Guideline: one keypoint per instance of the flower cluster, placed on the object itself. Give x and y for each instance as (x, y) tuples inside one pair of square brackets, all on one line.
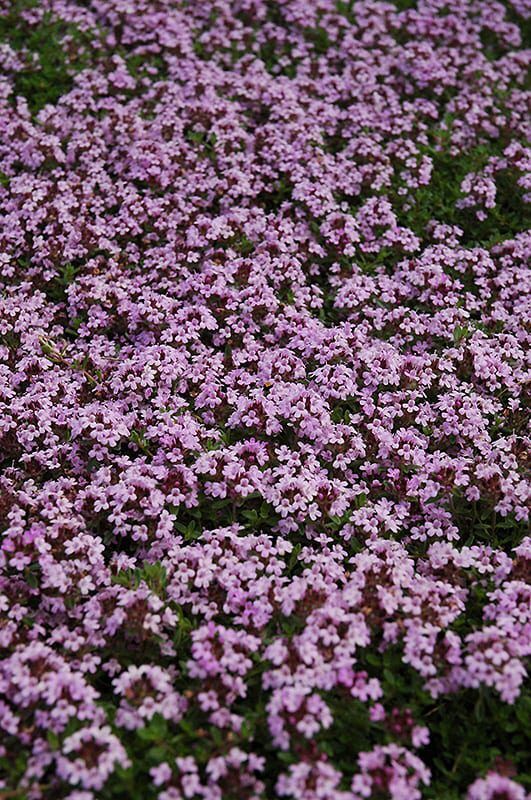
[(264, 366)]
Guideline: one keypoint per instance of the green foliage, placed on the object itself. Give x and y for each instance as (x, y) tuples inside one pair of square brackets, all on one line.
[(56, 290), (437, 200), (479, 523), (318, 38), (203, 141), (251, 512), (469, 730), (58, 49), (152, 575), (281, 193)]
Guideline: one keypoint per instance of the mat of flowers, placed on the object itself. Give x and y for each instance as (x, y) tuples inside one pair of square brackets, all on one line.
[(263, 361)]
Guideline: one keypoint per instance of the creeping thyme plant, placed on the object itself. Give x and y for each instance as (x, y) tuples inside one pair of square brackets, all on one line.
[(264, 348)]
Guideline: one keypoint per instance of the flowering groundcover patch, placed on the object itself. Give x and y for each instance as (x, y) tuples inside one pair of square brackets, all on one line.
[(264, 344)]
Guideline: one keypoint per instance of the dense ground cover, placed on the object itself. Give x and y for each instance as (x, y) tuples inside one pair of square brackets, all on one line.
[(263, 359)]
